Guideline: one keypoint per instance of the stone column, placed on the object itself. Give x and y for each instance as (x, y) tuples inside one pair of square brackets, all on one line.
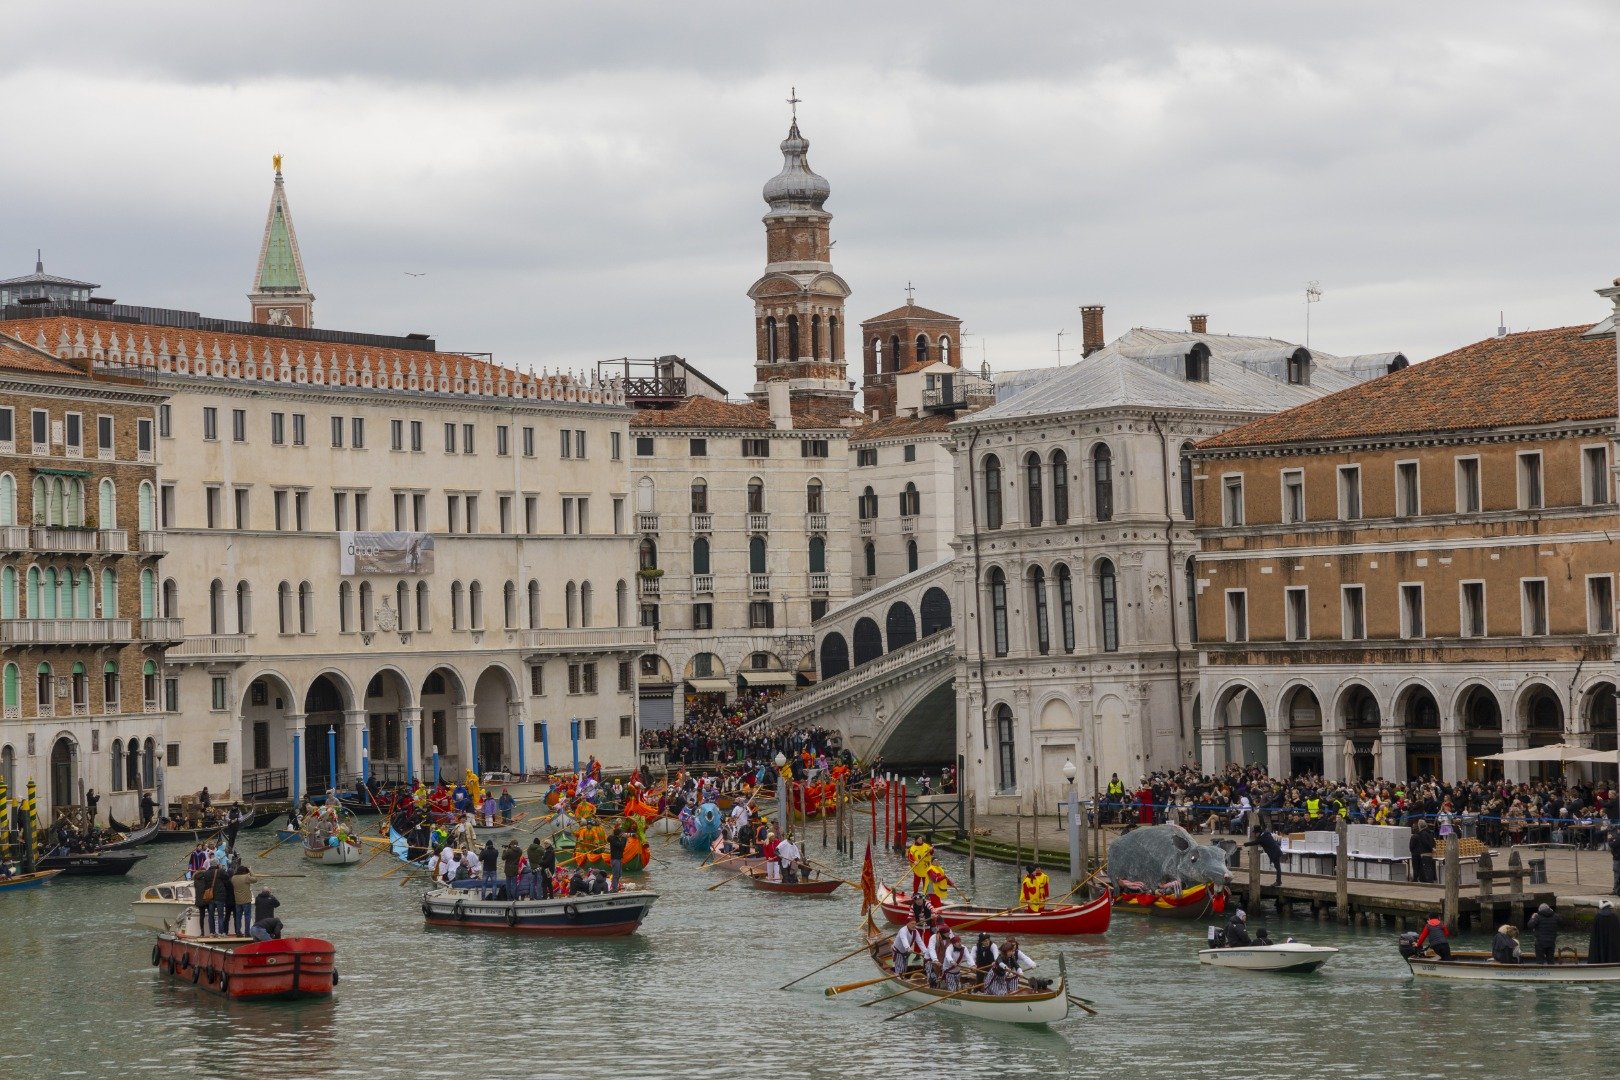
[(1393, 739), (410, 717), (1517, 772), (1333, 755), (1279, 753), (354, 727), (461, 735), (1453, 754), (518, 757), (297, 782), (1212, 751)]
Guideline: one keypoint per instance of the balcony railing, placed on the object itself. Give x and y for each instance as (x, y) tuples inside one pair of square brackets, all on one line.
[(208, 647), (154, 542), (703, 523), (816, 523), (86, 541), (647, 523), (65, 631), (13, 712), (867, 526), (759, 583), (162, 630), (703, 583), (14, 537), (820, 583), (759, 523), (908, 524), (865, 584), (647, 586), (589, 639), (152, 706)]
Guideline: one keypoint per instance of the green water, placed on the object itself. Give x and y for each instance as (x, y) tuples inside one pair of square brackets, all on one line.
[(694, 995)]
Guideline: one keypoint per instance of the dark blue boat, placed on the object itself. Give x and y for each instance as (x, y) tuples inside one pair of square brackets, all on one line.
[(597, 915)]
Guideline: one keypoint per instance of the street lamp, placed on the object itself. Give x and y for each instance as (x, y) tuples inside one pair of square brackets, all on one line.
[(1069, 771), (781, 792), (1076, 860)]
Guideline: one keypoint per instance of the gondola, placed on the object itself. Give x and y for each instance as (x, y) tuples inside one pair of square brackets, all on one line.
[(817, 887), (1065, 920), (191, 836), (1029, 1004), (103, 863), (26, 881), (133, 837)]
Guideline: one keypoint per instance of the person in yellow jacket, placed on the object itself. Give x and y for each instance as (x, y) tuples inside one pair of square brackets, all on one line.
[(1035, 890), (936, 884), (921, 854)]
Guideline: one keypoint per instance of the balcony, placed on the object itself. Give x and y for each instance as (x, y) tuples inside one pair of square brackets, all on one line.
[(153, 542), (815, 523), (647, 523), (78, 540), (908, 525), (65, 631), (759, 523), (204, 647), (14, 537), (593, 639), (703, 583), (162, 630), (820, 583), (759, 584), (867, 526), (647, 586), (703, 523)]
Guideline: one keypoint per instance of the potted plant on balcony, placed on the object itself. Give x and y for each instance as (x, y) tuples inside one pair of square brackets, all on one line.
[(650, 573)]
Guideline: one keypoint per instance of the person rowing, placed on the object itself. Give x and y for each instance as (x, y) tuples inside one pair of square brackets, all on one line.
[(1011, 962), (908, 942)]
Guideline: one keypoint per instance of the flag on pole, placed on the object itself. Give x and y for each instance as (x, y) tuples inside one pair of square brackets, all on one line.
[(868, 883)]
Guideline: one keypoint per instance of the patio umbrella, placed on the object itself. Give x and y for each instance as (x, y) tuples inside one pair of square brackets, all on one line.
[(1600, 757), (1560, 752), (1378, 757)]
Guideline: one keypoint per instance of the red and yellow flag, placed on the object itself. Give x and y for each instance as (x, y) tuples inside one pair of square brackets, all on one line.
[(868, 883)]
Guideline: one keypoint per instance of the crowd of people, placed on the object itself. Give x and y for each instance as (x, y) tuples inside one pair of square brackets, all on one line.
[(710, 730), (223, 893)]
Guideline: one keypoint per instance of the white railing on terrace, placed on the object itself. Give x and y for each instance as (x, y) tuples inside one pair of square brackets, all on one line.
[(758, 523), (61, 538), (647, 523), (162, 629), (703, 583), (154, 542), (64, 631), (208, 646), (759, 583), (647, 586), (908, 524), (820, 583), (583, 638), (703, 523), (816, 523), (867, 526), (14, 537), (943, 641)]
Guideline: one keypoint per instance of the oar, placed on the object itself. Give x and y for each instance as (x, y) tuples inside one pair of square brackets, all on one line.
[(373, 855), (283, 875), (924, 1005), (1076, 1001), (829, 872), (834, 991), (864, 947), (727, 881), (277, 844)]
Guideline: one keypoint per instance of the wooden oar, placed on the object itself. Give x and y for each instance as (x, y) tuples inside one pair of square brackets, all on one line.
[(277, 844), (924, 1005), (373, 855), (834, 991), (865, 946), (827, 870), (727, 881), (1082, 1004)]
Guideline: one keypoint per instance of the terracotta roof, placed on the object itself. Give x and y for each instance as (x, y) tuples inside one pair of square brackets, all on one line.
[(1534, 378), (19, 356), (894, 427), (911, 311), (706, 412)]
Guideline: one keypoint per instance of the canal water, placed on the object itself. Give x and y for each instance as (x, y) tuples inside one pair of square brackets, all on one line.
[(694, 994)]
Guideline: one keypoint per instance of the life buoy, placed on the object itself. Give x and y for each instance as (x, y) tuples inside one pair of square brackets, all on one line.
[(572, 911), (460, 910), (511, 914), (157, 956)]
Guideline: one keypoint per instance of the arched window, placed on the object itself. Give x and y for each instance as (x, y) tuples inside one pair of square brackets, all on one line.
[(793, 337), (911, 556), (1006, 751), (585, 593), (36, 594), (109, 686), (869, 555), (756, 555), (534, 604), (835, 351), (1043, 633), (458, 605), (149, 763), (818, 555), (1102, 479), (44, 698), (945, 350), (13, 691), (770, 338), (109, 594), (922, 349), (52, 590), (992, 491), (244, 608), (647, 554), (8, 593), (998, 609), (700, 555), (216, 604), (815, 337), (148, 594), (756, 496), (910, 501), (868, 506), (1192, 601), (171, 597), (894, 352), (1108, 605), (117, 761), (1187, 482), (345, 607), (877, 355), (107, 505), (700, 497), (424, 607), (1065, 583), (1060, 488), (1032, 487), (132, 764), (8, 499), (365, 607), (402, 606), (475, 605), (621, 603), (812, 498), (306, 608), (149, 689), (509, 606), (571, 605), (146, 507)]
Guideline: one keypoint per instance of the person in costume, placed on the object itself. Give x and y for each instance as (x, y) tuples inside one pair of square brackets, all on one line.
[(921, 853), (936, 885), (1035, 890), (1604, 945)]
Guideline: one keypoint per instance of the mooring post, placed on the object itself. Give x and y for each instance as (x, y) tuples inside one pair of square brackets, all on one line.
[(1453, 908), (1254, 869), (1341, 871), (971, 838)]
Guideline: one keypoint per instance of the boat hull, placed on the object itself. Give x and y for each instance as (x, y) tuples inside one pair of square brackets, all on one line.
[(1287, 958), (93, 863), (133, 838), (248, 970), (1027, 1007), (28, 881), (1194, 903), (341, 854), (1477, 967), (191, 836), (822, 887), (603, 915), (162, 906), (1064, 920)]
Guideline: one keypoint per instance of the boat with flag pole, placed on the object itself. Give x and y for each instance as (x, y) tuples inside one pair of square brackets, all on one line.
[(1059, 920)]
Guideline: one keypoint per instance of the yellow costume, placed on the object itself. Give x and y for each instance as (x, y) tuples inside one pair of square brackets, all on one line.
[(1035, 891)]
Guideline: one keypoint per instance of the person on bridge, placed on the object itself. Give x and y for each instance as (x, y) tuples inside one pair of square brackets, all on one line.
[(1035, 890), (921, 854)]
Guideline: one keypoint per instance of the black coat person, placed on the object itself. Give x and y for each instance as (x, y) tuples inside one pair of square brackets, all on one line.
[(1266, 842), (1544, 924), (1604, 945), (1614, 856)]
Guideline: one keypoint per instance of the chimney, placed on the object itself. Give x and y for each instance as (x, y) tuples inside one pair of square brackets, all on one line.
[(776, 394), (1092, 325), (1200, 323)]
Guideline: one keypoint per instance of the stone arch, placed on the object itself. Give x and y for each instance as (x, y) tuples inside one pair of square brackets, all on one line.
[(936, 611), (1538, 712), (1299, 714), (325, 701), (1357, 708), (1597, 712), (1477, 711), (443, 694), (388, 694), (868, 641), (901, 625), (834, 655), (1240, 716), (495, 693)]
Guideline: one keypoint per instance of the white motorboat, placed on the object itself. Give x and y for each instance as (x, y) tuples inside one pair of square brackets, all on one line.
[(162, 906), (1290, 956), (1479, 967)]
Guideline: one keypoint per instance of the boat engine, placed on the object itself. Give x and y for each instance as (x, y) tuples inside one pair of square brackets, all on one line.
[(1408, 945)]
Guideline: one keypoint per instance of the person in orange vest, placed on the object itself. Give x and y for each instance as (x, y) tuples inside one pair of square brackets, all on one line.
[(921, 854), (935, 884), (1035, 890)]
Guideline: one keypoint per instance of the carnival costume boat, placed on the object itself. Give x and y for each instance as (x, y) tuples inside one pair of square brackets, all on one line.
[(1065, 920), (1196, 902), (329, 837), (249, 970), (701, 829), (1292, 957), (1570, 968), (590, 848), (163, 906), (612, 914), (27, 881), (1039, 1002)]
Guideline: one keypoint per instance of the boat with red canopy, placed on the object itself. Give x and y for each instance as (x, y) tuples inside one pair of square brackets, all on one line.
[(1064, 920)]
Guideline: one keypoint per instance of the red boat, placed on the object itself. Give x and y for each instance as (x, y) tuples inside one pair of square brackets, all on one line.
[(248, 970), (1197, 902), (1064, 920), (798, 888)]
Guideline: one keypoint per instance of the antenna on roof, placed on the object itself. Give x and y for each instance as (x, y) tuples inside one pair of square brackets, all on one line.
[(1501, 324), (1313, 294), (1060, 347)]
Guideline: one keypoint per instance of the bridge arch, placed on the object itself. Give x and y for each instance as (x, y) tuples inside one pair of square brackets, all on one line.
[(868, 641), (834, 655), (936, 611), (901, 625)]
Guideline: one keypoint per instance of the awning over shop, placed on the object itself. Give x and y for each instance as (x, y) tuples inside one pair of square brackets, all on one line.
[(709, 686), (769, 678)]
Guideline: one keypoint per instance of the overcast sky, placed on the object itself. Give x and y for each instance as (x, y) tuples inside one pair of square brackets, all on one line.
[(582, 181)]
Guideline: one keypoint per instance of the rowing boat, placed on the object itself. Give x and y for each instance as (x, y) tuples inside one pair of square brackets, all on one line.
[(1063, 920), (1026, 1005), (613, 914), (821, 887), (27, 881), (1479, 967)]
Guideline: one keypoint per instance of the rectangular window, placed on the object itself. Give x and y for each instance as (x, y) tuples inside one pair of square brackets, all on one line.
[(337, 432), (615, 445), (279, 507), (567, 443), (298, 429), (1353, 613), (340, 511), (449, 438), (1468, 489), (211, 507), (278, 429), (74, 436), (172, 751), (143, 437), (165, 421), (210, 423), (567, 516), (531, 514), (505, 507), (584, 515), (1600, 604), (467, 439), (1237, 615), (698, 447), (362, 520), (503, 441), (910, 454), (240, 495), (396, 435), (818, 608), (8, 425), (40, 421), (703, 616), (589, 724), (171, 695), (1232, 500), (1412, 611), (579, 443), (221, 753), (761, 614), (813, 448), (472, 513), (217, 697), (1408, 494), (644, 446), (238, 425), (649, 616), (1530, 495), (1533, 606), (452, 513), (1595, 475), (300, 511), (1297, 612), (626, 681), (865, 456), (419, 514), (105, 444), (1293, 496), (401, 512), (357, 432), (1472, 614), (756, 448), (1349, 492), (626, 727), (618, 515), (166, 506), (528, 442), (537, 687)]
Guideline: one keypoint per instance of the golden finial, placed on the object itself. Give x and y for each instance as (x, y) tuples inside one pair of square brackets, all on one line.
[(277, 160)]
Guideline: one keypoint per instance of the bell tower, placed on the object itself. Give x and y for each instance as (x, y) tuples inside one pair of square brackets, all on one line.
[(280, 295), (799, 300)]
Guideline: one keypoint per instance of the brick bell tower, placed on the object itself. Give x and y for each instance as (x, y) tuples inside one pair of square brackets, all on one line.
[(799, 300), (280, 294)]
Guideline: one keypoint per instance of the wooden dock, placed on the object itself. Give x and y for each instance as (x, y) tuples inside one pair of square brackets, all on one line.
[(1399, 902)]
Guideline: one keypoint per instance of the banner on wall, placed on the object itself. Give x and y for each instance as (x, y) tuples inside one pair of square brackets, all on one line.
[(385, 553)]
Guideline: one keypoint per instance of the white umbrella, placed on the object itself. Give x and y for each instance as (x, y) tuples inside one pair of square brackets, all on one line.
[(1600, 757), (1378, 757), (1561, 752)]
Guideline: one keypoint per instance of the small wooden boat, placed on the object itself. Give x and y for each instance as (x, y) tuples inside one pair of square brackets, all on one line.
[(191, 836), (163, 906), (614, 914), (1029, 1004), (341, 853), (1479, 967), (27, 881), (1294, 957), (737, 864), (817, 887), (664, 826), (131, 837), (249, 970), (1196, 902), (1064, 920), (103, 863)]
